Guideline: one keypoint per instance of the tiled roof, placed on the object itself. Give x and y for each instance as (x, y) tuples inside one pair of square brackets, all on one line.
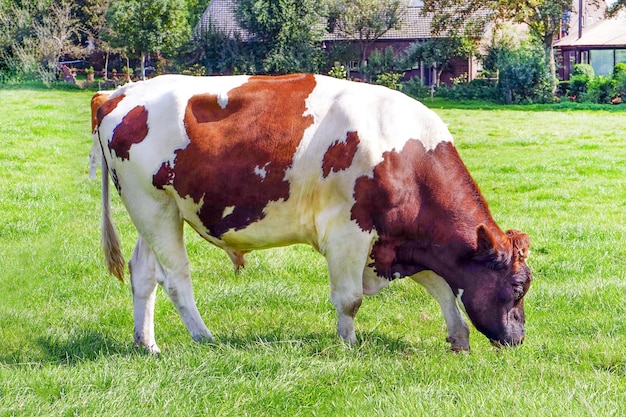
[(220, 14)]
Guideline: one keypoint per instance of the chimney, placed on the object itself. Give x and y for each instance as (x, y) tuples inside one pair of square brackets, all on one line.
[(580, 18)]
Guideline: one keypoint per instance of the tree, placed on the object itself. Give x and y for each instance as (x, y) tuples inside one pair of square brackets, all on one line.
[(34, 36), (286, 33), (543, 18), (364, 20), (437, 52), (148, 26), (615, 8)]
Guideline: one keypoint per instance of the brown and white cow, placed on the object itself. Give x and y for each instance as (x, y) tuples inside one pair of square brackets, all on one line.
[(367, 176), (94, 154)]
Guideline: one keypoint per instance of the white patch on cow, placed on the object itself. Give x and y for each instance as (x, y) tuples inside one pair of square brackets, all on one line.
[(222, 99), (261, 171), (459, 295), (228, 210)]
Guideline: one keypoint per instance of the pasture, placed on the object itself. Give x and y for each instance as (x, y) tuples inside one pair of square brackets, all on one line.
[(557, 173)]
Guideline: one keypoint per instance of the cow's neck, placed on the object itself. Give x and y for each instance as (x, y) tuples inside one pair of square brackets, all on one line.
[(437, 230)]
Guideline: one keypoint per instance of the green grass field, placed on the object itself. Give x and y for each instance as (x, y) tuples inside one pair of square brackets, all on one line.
[(66, 331)]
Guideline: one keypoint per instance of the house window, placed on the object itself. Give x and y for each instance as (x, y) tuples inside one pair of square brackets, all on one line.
[(620, 55), (584, 57), (602, 61)]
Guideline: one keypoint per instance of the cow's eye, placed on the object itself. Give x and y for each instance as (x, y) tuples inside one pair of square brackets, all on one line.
[(518, 291)]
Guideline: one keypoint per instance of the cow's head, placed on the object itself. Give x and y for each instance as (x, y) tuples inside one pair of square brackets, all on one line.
[(499, 279)]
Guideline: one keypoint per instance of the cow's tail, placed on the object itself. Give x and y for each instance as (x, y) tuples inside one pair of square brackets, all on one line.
[(110, 239)]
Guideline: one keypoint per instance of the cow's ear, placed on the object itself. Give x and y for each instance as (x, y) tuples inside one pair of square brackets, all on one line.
[(520, 242), (489, 249)]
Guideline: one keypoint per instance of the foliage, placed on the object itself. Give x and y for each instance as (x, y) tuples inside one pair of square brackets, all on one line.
[(477, 89), (147, 26), (286, 33), (586, 70), (338, 71), (414, 88), (66, 326), (364, 20), (33, 36), (600, 89), (579, 81), (438, 52), (468, 18), (619, 75), (380, 62), (584, 86), (615, 8), (523, 74), (390, 80), (220, 53)]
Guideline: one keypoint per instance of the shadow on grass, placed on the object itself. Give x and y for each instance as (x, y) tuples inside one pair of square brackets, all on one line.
[(94, 346), (319, 343), (88, 346)]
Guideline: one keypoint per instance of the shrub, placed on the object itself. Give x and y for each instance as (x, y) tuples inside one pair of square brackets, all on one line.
[(619, 75), (477, 89), (583, 69), (582, 74), (415, 88), (390, 80), (600, 90), (338, 71), (523, 73)]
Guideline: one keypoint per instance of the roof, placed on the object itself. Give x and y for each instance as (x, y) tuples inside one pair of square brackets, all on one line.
[(221, 16), (414, 26), (605, 33)]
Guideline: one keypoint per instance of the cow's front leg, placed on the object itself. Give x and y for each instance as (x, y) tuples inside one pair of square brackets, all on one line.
[(458, 331), (346, 262), (143, 282)]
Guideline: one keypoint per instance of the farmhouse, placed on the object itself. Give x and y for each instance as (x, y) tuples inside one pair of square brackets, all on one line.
[(602, 44), (415, 27)]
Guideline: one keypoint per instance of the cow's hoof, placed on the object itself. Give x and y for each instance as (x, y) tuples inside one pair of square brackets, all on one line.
[(203, 338), (152, 349), (458, 344)]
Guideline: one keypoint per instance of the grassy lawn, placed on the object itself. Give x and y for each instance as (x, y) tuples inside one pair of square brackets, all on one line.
[(555, 172)]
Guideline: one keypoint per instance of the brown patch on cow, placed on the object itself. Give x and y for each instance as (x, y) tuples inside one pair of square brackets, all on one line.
[(107, 107), (132, 130), (416, 201), (96, 101), (339, 155), (237, 156)]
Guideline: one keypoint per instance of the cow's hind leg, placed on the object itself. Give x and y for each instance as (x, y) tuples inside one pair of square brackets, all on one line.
[(142, 267), (161, 228), (458, 331), (346, 262)]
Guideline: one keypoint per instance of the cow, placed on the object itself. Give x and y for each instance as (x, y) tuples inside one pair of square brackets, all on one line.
[(367, 176), (94, 154)]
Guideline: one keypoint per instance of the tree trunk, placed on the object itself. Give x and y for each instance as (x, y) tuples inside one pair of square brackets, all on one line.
[(106, 66), (143, 66), (547, 43)]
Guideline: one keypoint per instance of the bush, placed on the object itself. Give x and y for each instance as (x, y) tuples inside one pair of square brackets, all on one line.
[(619, 75), (477, 89), (338, 71), (415, 88), (582, 74), (583, 69), (600, 90), (523, 73), (390, 80)]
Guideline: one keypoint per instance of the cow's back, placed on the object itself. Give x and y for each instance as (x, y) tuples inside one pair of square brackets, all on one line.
[(258, 161)]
